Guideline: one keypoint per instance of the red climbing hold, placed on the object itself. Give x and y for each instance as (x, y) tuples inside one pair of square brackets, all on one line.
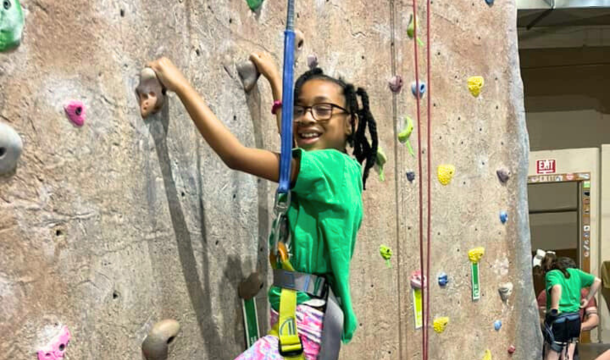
[(511, 349), (76, 112)]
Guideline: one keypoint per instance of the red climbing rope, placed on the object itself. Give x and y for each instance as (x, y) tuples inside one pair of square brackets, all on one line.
[(426, 273), (420, 186), (429, 145)]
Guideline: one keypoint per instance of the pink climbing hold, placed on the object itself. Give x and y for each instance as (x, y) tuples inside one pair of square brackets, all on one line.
[(395, 83), (416, 280), (57, 347), (76, 112)]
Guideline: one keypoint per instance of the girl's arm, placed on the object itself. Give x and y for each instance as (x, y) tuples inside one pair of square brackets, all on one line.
[(555, 297), (261, 163), (266, 66), (594, 288)]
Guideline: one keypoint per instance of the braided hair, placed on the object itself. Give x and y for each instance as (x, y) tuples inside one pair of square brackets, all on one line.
[(364, 151)]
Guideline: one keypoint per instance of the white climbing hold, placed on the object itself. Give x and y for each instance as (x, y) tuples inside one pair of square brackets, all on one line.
[(11, 147), (162, 334)]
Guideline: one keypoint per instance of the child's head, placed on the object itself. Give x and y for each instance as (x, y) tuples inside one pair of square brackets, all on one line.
[(552, 262), (327, 116)]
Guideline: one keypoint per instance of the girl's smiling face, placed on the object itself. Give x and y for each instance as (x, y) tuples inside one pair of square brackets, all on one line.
[(320, 118)]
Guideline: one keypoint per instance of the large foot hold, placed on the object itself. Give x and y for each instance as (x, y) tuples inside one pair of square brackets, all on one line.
[(161, 336), (251, 286), (11, 147), (11, 24), (248, 73), (151, 94)]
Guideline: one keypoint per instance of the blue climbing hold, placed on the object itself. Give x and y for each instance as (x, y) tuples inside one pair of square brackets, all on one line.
[(418, 90), (489, 2), (443, 279), (497, 325), (503, 217), (411, 176)]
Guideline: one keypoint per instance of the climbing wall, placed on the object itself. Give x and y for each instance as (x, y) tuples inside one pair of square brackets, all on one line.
[(110, 223)]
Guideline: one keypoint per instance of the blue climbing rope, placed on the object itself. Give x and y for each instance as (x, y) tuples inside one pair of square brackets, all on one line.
[(287, 103)]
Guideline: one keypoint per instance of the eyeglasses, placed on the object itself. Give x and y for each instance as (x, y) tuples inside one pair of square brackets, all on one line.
[(320, 112)]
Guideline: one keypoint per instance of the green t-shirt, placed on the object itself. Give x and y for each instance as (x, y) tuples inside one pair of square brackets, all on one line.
[(570, 288), (324, 217)]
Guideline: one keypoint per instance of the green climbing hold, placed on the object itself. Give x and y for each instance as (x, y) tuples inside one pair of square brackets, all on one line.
[(411, 30), (255, 4), (11, 24), (405, 134), (379, 162), (386, 254)]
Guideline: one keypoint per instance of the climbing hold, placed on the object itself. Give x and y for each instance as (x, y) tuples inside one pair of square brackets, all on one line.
[(411, 176), (511, 349), (395, 83), (162, 334), (503, 175), (405, 134), (475, 84), (440, 324), (411, 30), (487, 355), (489, 2), (11, 147), (76, 112), (380, 162), (254, 5), (497, 325), (312, 61), (503, 217), (150, 92), (11, 24), (476, 254), (386, 254), (299, 40), (418, 90), (445, 173), (248, 73), (505, 291), (416, 280), (443, 279), (248, 288), (56, 349)]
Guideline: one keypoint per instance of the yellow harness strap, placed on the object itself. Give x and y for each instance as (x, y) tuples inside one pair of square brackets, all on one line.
[(286, 327)]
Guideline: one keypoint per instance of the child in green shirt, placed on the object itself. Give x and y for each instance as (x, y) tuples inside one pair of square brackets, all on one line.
[(563, 287), (325, 212)]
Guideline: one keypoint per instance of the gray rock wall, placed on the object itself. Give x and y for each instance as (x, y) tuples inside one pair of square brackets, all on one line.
[(112, 226)]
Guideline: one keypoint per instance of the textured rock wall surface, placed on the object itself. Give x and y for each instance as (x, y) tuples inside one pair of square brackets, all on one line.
[(112, 226)]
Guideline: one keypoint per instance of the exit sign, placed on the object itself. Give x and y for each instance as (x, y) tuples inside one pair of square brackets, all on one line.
[(545, 166)]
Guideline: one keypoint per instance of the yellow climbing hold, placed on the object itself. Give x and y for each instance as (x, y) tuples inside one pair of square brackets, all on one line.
[(475, 84), (476, 254), (445, 173), (440, 324), (487, 355)]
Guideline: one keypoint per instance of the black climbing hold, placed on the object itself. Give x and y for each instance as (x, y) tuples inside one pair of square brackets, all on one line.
[(503, 175), (411, 176)]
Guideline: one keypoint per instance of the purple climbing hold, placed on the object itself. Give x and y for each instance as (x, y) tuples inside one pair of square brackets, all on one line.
[(503, 217), (312, 61), (76, 112), (411, 176), (395, 83)]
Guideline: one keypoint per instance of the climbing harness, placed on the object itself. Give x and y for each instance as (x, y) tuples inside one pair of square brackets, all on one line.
[(285, 277), (568, 324)]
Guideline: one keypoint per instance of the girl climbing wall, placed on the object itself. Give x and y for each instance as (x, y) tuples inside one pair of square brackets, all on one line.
[(326, 208), (562, 321)]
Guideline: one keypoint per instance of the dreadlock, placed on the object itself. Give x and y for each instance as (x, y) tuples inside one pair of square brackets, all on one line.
[(363, 151)]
